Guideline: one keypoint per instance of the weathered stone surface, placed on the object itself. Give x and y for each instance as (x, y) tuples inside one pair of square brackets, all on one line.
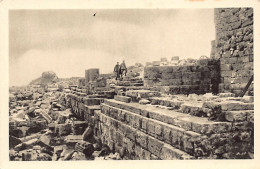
[(144, 101), (237, 116), (63, 129), (170, 153), (122, 98)]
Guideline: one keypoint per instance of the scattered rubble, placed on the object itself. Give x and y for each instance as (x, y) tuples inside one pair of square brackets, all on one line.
[(43, 129)]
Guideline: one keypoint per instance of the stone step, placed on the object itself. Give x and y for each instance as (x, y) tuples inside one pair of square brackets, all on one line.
[(130, 87), (205, 108), (175, 103), (226, 95), (127, 136), (182, 89), (122, 98), (90, 109), (132, 78), (229, 105), (188, 122), (130, 84), (176, 136), (131, 81), (137, 84), (239, 116), (136, 95)]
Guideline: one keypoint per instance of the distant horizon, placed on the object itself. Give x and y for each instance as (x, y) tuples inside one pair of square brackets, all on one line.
[(71, 41)]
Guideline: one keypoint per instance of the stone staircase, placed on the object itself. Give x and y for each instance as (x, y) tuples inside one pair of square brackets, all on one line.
[(174, 128), (143, 123), (129, 83)]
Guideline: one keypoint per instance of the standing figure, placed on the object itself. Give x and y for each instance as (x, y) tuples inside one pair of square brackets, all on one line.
[(117, 70), (123, 69)]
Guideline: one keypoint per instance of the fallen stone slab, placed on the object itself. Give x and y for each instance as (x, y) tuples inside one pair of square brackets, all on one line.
[(88, 134), (26, 145), (20, 114), (33, 136), (13, 141), (44, 157), (66, 154), (84, 147), (78, 156), (45, 139), (63, 129), (144, 101), (45, 115), (51, 126), (73, 138)]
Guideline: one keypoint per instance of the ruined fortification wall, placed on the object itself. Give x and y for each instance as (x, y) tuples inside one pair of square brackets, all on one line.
[(234, 47), (200, 78), (140, 132)]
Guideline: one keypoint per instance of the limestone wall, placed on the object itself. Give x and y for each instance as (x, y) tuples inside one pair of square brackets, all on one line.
[(139, 132), (198, 78), (234, 47)]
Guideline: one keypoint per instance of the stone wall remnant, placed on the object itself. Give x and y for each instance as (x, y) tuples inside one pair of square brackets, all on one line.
[(234, 47)]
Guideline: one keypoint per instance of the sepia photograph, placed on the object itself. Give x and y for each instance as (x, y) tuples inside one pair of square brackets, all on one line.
[(131, 84)]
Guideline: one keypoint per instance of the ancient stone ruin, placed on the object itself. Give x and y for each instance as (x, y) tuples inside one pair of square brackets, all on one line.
[(177, 109)]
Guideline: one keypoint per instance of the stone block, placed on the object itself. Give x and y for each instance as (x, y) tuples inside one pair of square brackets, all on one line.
[(170, 153), (91, 75), (156, 63), (129, 132), (231, 60), (122, 98), (141, 139), (64, 129), (170, 82), (237, 116), (183, 122), (226, 95), (165, 70), (137, 123), (209, 127), (119, 138), (92, 101), (155, 146), (236, 105), (151, 127)]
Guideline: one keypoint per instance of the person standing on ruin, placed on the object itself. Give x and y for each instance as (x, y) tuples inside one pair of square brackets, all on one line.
[(117, 69), (123, 68)]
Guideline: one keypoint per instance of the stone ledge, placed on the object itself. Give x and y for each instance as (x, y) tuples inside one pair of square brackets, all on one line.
[(138, 138), (197, 124), (122, 98)]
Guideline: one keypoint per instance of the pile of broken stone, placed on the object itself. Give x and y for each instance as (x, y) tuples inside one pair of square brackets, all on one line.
[(42, 129)]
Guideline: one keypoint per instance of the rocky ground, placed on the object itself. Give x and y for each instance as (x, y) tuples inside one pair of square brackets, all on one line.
[(42, 129)]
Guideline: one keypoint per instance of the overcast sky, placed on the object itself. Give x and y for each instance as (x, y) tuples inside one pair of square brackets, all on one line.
[(70, 41)]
